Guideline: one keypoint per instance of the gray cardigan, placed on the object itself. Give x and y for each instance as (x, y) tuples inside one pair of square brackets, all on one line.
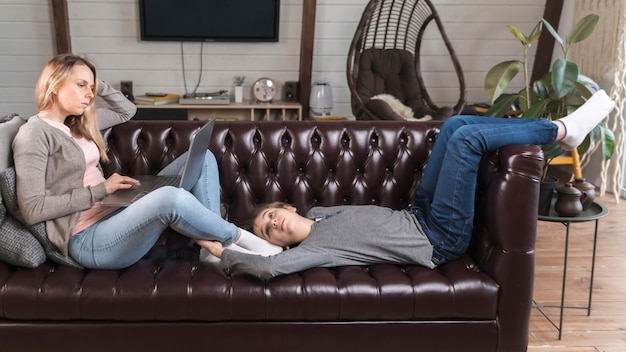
[(50, 167)]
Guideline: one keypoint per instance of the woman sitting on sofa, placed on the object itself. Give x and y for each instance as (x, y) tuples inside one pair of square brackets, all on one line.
[(57, 157), (436, 229)]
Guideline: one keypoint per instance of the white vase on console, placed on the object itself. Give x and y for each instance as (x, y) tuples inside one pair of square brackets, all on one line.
[(238, 94)]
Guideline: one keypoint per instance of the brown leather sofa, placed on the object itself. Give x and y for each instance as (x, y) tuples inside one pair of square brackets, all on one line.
[(171, 302)]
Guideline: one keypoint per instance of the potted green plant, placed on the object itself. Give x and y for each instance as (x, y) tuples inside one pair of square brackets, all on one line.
[(556, 94), (238, 82), (559, 92)]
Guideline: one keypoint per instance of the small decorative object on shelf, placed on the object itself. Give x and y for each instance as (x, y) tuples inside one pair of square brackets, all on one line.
[(321, 102), (264, 89), (157, 98), (238, 81)]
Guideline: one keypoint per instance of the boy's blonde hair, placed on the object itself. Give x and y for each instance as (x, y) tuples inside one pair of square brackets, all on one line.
[(53, 76)]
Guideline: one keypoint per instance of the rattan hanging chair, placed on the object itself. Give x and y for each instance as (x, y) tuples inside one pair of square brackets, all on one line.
[(384, 58)]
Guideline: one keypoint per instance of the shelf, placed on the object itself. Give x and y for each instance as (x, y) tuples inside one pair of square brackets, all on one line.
[(237, 111)]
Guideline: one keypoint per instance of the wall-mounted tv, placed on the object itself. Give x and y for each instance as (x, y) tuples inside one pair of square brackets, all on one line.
[(209, 20)]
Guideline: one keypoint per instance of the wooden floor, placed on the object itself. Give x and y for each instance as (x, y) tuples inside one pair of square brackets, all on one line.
[(605, 329)]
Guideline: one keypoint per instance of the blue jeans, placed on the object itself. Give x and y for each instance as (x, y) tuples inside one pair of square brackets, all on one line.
[(444, 200), (123, 237)]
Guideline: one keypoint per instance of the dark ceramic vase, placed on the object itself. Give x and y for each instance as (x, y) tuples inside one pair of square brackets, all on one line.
[(588, 192), (568, 201)]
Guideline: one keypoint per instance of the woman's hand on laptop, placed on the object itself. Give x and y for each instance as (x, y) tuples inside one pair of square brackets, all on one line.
[(117, 181)]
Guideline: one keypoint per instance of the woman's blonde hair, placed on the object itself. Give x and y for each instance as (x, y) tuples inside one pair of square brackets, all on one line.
[(53, 76)]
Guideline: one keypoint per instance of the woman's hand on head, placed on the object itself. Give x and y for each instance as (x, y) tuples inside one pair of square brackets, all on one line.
[(117, 181)]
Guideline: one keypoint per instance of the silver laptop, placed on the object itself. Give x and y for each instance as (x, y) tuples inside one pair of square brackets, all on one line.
[(189, 176)]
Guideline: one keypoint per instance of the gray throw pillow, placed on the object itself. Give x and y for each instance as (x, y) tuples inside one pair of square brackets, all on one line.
[(17, 245), (9, 195), (8, 129)]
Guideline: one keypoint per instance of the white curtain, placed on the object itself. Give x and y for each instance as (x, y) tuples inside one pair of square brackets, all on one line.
[(605, 52)]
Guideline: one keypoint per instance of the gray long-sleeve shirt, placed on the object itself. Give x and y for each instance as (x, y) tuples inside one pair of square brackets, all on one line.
[(343, 235)]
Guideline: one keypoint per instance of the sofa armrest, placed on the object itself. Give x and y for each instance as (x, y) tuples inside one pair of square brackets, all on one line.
[(503, 244)]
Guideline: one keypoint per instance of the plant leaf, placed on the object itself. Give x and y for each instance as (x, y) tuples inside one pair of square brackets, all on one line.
[(564, 76), (586, 145), (575, 100), (602, 135), (554, 33), (585, 86), (607, 140), (502, 107), (499, 77), (537, 110), (540, 89), (534, 35), (583, 29), (518, 34)]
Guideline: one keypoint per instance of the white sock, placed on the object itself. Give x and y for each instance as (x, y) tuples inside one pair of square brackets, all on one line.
[(256, 244), (579, 123), (206, 256)]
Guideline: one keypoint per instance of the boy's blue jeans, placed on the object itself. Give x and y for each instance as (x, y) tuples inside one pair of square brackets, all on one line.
[(123, 237), (445, 196)]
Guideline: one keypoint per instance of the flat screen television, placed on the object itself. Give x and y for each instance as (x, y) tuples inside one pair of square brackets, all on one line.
[(209, 20)]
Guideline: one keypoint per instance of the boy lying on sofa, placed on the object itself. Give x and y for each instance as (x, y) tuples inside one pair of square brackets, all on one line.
[(436, 228)]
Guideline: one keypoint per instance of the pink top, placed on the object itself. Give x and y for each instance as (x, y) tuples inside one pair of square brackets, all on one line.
[(92, 177)]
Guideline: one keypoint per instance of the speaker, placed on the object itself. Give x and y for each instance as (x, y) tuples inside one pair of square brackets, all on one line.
[(291, 91), (126, 87)]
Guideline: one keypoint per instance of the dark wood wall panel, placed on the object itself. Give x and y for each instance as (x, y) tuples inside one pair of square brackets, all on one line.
[(61, 26), (306, 54), (543, 55)]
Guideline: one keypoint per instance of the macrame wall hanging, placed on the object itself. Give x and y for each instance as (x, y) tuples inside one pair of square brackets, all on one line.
[(604, 52)]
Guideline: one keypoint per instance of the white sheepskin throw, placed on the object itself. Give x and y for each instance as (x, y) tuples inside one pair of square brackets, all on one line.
[(399, 108)]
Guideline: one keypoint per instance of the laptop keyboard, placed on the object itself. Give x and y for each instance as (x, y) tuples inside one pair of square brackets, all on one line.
[(140, 195), (155, 183)]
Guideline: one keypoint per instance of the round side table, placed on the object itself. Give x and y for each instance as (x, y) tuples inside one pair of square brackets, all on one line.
[(595, 212)]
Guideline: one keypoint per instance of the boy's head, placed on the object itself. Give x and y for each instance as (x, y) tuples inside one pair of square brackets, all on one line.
[(280, 224)]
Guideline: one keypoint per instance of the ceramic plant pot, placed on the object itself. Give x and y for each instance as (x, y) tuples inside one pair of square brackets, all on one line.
[(238, 94), (546, 192)]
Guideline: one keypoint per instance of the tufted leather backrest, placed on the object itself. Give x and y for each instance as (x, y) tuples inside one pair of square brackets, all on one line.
[(305, 163)]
